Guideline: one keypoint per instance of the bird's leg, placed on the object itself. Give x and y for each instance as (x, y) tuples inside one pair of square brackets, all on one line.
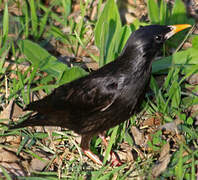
[(115, 160), (85, 143)]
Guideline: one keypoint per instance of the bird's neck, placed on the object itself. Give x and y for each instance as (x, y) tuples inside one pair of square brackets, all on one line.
[(137, 59)]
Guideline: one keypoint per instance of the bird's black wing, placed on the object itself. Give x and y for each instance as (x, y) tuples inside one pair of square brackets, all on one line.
[(92, 94), (85, 94)]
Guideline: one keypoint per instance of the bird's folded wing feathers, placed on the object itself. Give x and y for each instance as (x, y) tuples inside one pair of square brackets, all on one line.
[(96, 95)]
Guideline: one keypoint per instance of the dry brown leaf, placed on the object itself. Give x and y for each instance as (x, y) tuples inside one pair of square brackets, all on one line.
[(13, 140), (11, 65), (93, 14), (161, 167), (140, 153), (16, 111), (125, 154), (7, 156), (149, 122), (164, 151), (193, 79), (15, 9), (163, 161), (193, 112), (171, 127), (153, 121), (38, 165), (6, 113), (138, 136), (14, 169)]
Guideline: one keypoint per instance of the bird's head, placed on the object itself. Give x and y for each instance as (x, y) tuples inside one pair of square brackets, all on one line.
[(147, 40)]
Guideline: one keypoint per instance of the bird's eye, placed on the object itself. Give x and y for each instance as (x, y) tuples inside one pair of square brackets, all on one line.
[(159, 38)]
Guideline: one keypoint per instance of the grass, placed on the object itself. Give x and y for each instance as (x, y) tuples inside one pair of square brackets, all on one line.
[(40, 25)]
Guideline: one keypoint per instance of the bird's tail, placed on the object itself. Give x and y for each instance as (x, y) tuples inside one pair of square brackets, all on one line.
[(35, 120), (36, 105)]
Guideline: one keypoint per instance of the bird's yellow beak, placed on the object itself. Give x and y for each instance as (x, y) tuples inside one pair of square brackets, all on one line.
[(180, 27), (176, 28)]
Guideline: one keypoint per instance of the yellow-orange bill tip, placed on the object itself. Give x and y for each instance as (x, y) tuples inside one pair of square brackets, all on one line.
[(180, 27), (175, 29)]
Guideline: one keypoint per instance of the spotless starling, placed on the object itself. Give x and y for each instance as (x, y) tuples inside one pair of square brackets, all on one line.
[(107, 97)]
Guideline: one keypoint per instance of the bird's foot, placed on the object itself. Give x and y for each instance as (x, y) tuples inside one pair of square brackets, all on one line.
[(115, 161), (85, 148), (93, 157)]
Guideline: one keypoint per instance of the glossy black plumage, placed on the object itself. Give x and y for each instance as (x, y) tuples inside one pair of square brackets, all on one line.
[(106, 97)]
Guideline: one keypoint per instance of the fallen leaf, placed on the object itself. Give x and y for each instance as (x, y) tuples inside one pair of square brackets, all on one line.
[(13, 140), (125, 154), (6, 113), (7, 156), (171, 127), (164, 151), (138, 136), (193, 79), (154, 120), (38, 165), (13, 169), (163, 161), (16, 111)]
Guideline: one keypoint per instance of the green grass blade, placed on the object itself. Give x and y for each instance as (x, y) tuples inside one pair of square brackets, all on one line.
[(43, 23), (122, 38), (153, 11), (178, 12), (5, 24), (111, 142), (175, 93), (95, 58), (45, 61), (107, 26), (102, 46), (111, 173), (79, 27), (179, 170), (72, 74), (67, 9), (99, 9), (26, 13), (193, 175), (3, 53), (163, 12), (34, 19), (6, 175)]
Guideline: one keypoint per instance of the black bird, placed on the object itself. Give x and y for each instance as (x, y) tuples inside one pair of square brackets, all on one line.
[(107, 97)]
